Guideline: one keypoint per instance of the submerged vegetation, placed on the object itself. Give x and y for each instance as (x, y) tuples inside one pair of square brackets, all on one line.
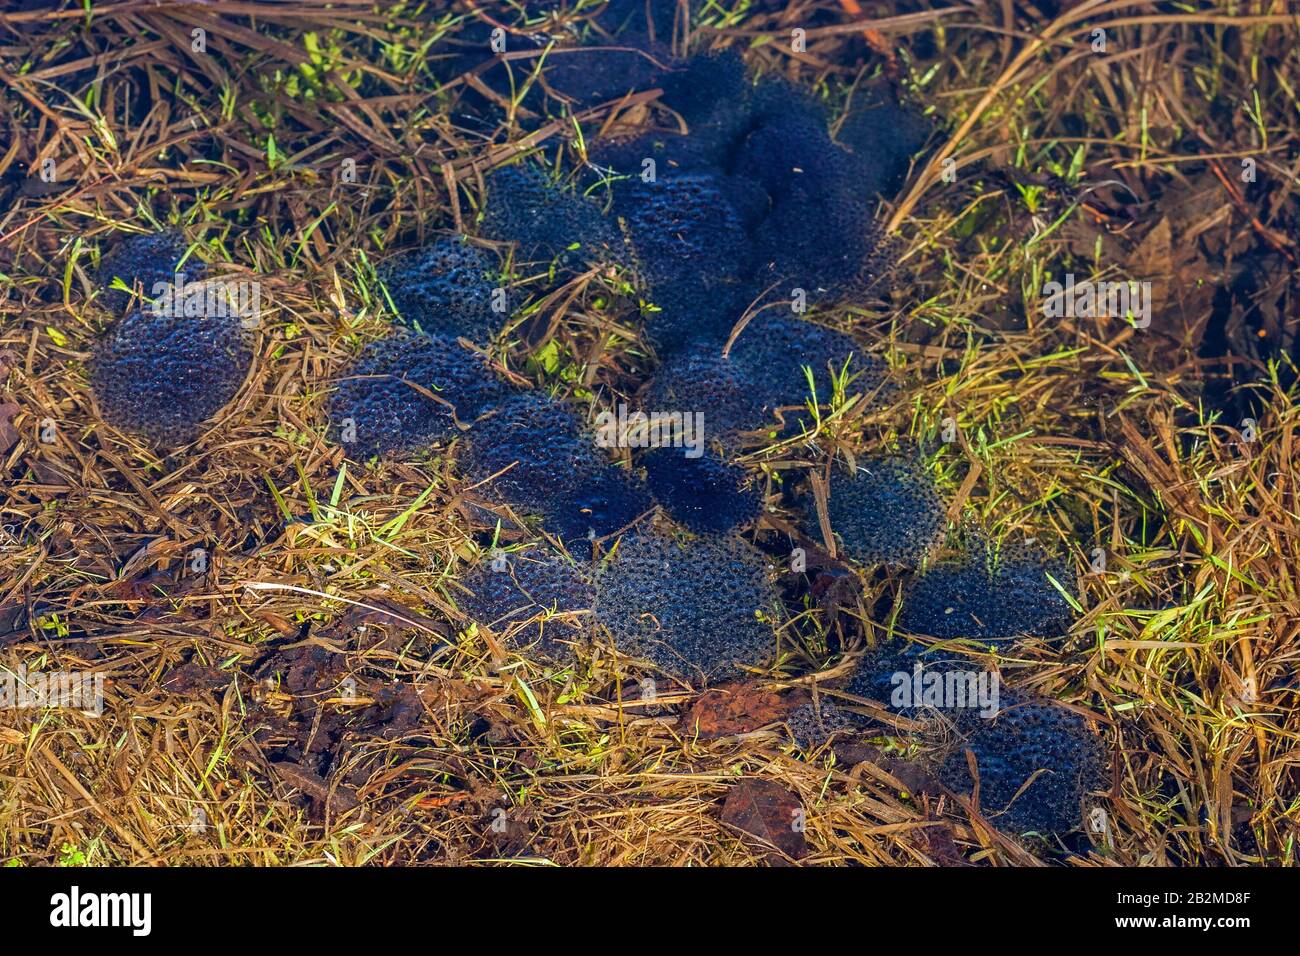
[(364, 575)]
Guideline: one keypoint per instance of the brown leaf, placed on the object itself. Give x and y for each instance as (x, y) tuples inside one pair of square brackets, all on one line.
[(385, 613), (338, 799), (509, 833), (154, 551), (8, 434), (1183, 282), (855, 750), (1084, 239), (912, 774), (943, 848), (734, 709), (1152, 261), (11, 615), (295, 776), (192, 677), (1152, 258), (279, 622), (768, 812)]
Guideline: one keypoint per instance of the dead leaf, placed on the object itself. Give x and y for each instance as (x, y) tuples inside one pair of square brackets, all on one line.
[(943, 848), (509, 833), (734, 709), (1152, 261), (382, 612), (338, 799), (1172, 257), (279, 622), (1084, 239), (8, 434), (154, 551), (768, 812), (192, 677), (855, 750), (437, 803), (912, 774), (11, 615)]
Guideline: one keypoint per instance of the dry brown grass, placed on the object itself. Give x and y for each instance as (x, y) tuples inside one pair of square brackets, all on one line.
[(1087, 433)]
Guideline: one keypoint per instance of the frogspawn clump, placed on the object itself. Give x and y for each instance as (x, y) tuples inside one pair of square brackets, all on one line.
[(710, 93), (532, 599), (446, 289), (914, 681), (628, 52), (702, 381), (163, 376), (691, 252), (535, 454), (1040, 746), (777, 355), (676, 222), (408, 391), (604, 503), (639, 21), (880, 130), (143, 263), (547, 221), (721, 104), (702, 609), (886, 511), (704, 494), (990, 596), (588, 76), (820, 237), (802, 205), (1015, 741), (530, 450), (814, 723), (764, 371)]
